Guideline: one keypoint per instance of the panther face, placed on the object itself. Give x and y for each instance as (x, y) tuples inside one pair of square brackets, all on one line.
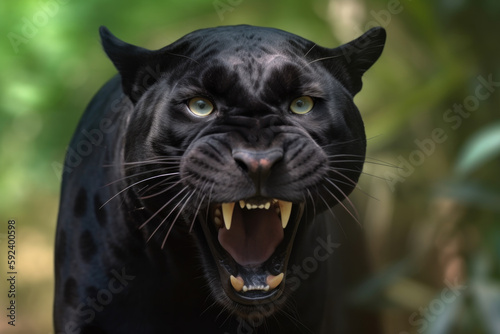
[(242, 134)]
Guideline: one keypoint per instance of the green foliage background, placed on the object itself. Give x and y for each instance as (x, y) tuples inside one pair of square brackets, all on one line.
[(434, 221)]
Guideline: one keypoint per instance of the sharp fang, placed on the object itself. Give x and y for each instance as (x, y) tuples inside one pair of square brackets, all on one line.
[(242, 204), (237, 283), (227, 213), (286, 210), (274, 281)]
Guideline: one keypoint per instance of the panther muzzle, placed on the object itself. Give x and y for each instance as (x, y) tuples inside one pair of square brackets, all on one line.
[(251, 241)]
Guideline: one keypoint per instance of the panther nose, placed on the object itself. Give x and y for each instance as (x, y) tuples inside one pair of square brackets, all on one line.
[(257, 163)]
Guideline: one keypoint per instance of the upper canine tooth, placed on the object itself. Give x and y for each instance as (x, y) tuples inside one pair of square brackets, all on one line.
[(286, 210), (237, 283), (227, 213), (273, 281)]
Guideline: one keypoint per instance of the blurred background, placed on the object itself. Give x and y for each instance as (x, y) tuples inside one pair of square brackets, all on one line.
[(430, 196)]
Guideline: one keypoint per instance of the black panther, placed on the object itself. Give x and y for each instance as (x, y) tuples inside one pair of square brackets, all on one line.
[(198, 188)]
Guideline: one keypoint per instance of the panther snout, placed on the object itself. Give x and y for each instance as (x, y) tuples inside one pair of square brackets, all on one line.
[(257, 164)]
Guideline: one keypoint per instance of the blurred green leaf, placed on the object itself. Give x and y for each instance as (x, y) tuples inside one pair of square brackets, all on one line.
[(448, 316), (369, 292), (471, 193), (481, 148), (487, 298)]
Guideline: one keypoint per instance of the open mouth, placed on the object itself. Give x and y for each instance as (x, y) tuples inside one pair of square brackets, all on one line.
[(251, 241)]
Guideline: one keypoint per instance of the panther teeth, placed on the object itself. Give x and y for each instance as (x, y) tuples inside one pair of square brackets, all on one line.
[(218, 218), (255, 287), (227, 213), (272, 282), (237, 283), (282, 208), (286, 210)]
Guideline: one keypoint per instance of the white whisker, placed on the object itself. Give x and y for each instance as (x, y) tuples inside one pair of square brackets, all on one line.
[(177, 216), (333, 169), (137, 174), (356, 214), (172, 183), (333, 214), (196, 214), (163, 207), (133, 184)]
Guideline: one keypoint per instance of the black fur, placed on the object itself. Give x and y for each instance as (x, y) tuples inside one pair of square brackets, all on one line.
[(138, 249)]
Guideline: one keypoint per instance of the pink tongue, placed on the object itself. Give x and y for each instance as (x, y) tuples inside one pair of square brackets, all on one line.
[(253, 237)]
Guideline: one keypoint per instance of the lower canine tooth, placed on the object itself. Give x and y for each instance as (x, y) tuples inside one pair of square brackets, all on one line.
[(242, 204), (227, 213), (237, 283), (274, 281), (286, 210)]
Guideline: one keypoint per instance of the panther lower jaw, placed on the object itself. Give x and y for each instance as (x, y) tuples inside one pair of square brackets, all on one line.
[(251, 241)]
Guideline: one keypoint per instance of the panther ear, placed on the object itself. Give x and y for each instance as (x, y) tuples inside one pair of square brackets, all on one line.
[(132, 62), (358, 56)]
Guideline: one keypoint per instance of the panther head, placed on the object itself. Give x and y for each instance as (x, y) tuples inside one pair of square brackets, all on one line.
[(242, 134)]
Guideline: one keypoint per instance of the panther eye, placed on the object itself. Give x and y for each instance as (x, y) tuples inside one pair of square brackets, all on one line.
[(200, 106), (302, 105)]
